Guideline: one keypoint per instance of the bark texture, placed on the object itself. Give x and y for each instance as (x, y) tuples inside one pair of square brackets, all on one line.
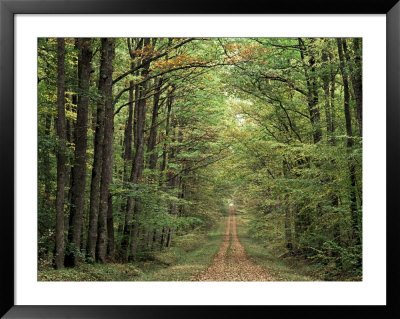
[(312, 92), (61, 155), (107, 48), (350, 142), (153, 129), (79, 171), (97, 162)]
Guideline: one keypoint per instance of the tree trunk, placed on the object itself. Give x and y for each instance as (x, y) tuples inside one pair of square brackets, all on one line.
[(346, 94), (61, 155), (133, 204), (326, 87), (129, 204), (128, 133), (169, 237), (353, 197), (139, 159), (79, 178), (356, 79), (312, 92), (155, 234), (70, 176), (173, 179), (97, 162), (182, 195), (163, 164), (150, 234), (164, 154), (107, 49), (162, 238), (153, 129), (127, 157)]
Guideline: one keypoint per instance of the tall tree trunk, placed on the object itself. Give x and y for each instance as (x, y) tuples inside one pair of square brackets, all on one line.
[(128, 133), (139, 155), (97, 162), (164, 154), (79, 178), (68, 128), (312, 92), (70, 139), (127, 158), (133, 204), (329, 90), (347, 113), (163, 164), (127, 229), (61, 155), (68, 120), (326, 78), (353, 197), (173, 179), (153, 128), (356, 79), (107, 49), (153, 158)]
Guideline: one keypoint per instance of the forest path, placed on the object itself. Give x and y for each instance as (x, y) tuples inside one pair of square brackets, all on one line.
[(232, 262)]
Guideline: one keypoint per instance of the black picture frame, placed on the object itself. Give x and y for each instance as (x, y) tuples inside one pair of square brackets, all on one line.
[(8, 9)]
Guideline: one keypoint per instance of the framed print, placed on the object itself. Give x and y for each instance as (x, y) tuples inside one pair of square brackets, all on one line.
[(162, 159)]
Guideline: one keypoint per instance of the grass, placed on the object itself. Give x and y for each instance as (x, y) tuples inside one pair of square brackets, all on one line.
[(187, 256), (91, 272), (287, 269)]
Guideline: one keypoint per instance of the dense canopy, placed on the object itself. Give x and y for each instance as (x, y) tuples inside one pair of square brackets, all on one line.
[(145, 142)]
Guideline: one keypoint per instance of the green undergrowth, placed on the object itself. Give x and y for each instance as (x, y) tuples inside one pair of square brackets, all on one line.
[(188, 255), (92, 272), (281, 269)]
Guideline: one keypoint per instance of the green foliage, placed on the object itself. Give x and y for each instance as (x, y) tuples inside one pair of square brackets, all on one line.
[(266, 253), (240, 128), (96, 272)]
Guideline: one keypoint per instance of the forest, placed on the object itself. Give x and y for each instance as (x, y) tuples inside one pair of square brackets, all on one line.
[(216, 159)]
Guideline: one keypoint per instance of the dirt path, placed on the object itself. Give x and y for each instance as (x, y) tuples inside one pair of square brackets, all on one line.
[(231, 262)]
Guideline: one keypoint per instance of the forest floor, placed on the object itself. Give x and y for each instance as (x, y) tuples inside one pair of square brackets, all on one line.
[(232, 263), (225, 253)]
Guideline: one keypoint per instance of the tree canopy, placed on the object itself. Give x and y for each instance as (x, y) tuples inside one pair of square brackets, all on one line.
[(144, 140)]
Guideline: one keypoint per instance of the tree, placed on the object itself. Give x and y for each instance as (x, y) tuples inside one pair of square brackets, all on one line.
[(107, 162), (349, 132), (61, 156), (79, 171), (97, 161), (171, 130)]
